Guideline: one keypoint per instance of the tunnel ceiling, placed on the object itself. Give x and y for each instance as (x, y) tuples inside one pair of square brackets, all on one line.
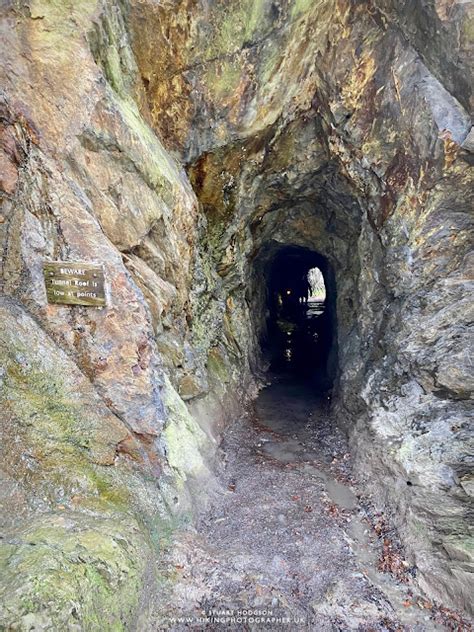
[(291, 260)]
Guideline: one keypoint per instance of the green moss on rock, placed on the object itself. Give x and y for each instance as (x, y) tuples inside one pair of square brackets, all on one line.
[(217, 366), (76, 556), (69, 570), (185, 441)]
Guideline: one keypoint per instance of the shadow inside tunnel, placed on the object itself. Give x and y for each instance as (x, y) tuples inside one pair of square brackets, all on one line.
[(299, 341)]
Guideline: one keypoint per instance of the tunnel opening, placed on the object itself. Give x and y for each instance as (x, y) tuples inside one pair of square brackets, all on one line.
[(299, 340)]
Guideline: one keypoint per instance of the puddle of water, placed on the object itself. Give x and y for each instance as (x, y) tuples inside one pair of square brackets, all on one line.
[(292, 450), (357, 533), (337, 492), (287, 451)]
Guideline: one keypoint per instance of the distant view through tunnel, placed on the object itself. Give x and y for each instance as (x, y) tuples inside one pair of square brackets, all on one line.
[(300, 333)]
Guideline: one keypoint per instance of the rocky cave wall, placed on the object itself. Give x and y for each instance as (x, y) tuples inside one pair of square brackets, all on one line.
[(344, 127), (337, 126), (98, 448)]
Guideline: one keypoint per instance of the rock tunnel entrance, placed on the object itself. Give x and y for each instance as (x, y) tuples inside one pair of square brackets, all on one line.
[(300, 335), (206, 155)]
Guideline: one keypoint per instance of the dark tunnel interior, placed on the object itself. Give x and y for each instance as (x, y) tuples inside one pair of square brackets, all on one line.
[(300, 336)]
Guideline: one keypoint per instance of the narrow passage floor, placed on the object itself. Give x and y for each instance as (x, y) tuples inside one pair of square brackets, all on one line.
[(292, 544)]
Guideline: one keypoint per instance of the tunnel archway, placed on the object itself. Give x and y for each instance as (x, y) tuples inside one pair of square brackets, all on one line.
[(299, 336)]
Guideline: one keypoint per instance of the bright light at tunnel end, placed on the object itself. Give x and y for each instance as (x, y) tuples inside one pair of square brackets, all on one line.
[(317, 290)]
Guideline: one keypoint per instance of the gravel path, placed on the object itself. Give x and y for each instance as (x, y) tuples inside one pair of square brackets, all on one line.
[(290, 544)]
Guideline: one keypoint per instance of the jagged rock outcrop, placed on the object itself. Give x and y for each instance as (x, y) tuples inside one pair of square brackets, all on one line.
[(183, 145)]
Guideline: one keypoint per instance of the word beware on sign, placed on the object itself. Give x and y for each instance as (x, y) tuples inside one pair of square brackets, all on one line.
[(73, 283)]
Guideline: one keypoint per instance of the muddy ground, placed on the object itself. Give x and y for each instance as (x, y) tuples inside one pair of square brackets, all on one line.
[(293, 543)]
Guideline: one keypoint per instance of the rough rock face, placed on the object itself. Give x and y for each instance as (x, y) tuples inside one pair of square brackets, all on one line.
[(93, 480), (341, 127), (344, 127)]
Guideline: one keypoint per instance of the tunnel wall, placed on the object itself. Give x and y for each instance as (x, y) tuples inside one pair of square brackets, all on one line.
[(356, 144), (171, 143)]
